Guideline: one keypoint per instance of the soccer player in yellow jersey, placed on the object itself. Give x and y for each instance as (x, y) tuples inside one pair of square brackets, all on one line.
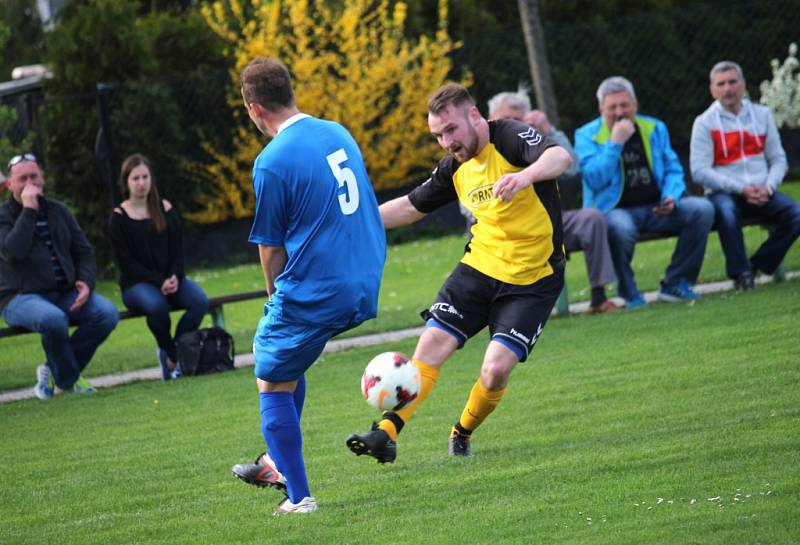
[(512, 272)]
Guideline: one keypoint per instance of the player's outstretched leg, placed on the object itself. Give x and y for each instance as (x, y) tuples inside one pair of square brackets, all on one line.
[(375, 443), (281, 429), (480, 405), (262, 473), (381, 441)]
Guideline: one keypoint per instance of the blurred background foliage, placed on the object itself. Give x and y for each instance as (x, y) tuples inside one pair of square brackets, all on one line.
[(170, 70), (350, 63)]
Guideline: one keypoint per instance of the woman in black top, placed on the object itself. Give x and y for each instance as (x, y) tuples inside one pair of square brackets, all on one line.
[(147, 238)]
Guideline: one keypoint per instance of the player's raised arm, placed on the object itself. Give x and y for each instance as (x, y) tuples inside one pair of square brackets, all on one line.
[(399, 212), (550, 165)]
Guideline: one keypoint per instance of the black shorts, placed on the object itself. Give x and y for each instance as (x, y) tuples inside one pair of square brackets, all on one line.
[(470, 300)]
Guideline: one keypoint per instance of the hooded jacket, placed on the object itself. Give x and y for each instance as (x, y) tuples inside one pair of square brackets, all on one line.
[(25, 262), (601, 162), (730, 151)]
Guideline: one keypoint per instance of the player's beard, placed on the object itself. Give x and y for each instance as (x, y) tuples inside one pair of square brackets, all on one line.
[(468, 149)]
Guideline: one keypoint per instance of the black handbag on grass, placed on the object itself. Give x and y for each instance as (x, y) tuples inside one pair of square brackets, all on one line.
[(207, 350)]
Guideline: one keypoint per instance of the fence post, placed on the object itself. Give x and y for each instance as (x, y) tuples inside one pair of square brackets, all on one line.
[(537, 58), (105, 155)]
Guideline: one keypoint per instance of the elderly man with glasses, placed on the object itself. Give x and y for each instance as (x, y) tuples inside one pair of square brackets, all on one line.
[(47, 276)]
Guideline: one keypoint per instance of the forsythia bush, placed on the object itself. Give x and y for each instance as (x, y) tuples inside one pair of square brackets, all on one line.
[(350, 64), (782, 94)]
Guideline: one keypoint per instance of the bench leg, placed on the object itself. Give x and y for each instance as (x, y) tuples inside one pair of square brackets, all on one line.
[(217, 316), (562, 303)]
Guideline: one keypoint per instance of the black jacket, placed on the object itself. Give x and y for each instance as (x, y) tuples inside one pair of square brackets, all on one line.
[(25, 265)]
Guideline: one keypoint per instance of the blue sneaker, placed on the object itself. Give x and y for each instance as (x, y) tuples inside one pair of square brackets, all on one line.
[(44, 382), (676, 293), (637, 301)]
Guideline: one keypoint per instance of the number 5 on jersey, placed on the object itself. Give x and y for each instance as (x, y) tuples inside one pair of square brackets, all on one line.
[(348, 201)]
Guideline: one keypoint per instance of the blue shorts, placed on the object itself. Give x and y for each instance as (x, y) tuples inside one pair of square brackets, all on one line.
[(284, 351)]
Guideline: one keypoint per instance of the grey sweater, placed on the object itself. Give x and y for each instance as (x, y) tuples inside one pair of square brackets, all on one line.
[(25, 262), (730, 151)]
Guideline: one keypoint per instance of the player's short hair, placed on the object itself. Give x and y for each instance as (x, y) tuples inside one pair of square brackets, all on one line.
[(515, 101), (724, 66), (452, 93), (613, 85), (267, 81)]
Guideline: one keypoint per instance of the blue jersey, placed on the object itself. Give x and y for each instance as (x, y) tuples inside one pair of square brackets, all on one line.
[(314, 198)]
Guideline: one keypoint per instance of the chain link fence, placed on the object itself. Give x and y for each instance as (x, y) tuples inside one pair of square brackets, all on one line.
[(666, 53)]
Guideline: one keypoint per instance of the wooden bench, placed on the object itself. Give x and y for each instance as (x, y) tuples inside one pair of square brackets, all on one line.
[(562, 303), (215, 309)]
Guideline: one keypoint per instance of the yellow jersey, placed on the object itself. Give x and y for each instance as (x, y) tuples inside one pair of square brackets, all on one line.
[(520, 241)]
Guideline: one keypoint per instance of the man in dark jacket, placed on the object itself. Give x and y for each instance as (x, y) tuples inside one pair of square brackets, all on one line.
[(47, 274)]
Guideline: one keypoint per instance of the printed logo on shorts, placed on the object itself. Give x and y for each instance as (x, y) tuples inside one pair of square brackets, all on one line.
[(531, 137), (520, 336), (538, 333), (448, 308)]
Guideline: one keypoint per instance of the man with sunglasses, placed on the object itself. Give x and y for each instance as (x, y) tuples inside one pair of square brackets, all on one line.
[(47, 277)]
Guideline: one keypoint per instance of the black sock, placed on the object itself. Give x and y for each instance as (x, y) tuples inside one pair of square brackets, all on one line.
[(598, 296)]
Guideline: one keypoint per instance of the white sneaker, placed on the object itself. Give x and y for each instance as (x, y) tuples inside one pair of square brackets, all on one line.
[(44, 382), (306, 505)]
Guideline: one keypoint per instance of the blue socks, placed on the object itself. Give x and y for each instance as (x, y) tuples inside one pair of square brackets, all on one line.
[(300, 396), (280, 424)]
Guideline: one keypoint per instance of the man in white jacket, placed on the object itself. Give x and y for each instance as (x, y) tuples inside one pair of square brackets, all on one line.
[(736, 155)]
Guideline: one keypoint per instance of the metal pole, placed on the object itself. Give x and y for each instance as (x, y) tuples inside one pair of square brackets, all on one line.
[(537, 58), (105, 154)]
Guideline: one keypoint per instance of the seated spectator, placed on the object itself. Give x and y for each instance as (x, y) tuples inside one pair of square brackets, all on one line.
[(47, 278), (583, 228), (147, 239), (632, 174), (736, 155)]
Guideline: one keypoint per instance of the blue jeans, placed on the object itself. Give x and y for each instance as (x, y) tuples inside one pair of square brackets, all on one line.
[(731, 209), (691, 220), (48, 314), (148, 299)]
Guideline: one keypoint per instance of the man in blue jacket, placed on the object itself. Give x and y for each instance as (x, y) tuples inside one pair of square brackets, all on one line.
[(632, 174)]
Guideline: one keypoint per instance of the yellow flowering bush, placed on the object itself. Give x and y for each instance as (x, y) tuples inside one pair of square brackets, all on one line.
[(350, 64)]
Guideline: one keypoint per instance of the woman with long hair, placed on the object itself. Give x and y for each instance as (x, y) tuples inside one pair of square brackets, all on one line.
[(147, 239)]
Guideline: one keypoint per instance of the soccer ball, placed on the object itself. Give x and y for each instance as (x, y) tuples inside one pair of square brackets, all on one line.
[(390, 381)]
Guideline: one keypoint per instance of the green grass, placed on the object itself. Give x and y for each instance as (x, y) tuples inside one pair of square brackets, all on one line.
[(675, 424), (413, 274)]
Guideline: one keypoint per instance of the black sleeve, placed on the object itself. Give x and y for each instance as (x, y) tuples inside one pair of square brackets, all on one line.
[(16, 236), (176, 253), (519, 143), (438, 189)]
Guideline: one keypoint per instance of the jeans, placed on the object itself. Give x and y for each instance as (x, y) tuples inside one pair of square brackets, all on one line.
[(148, 299), (731, 209), (48, 314), (691, 220)]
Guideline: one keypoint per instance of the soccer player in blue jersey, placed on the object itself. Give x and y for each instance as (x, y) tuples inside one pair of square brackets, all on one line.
[(322, 248)]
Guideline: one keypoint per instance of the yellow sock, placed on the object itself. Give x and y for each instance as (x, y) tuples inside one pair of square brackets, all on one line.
[(428, 376), (481, 403)]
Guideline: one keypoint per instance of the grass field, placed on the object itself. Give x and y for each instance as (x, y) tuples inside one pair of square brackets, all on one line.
[(413, 274), (675, 424)]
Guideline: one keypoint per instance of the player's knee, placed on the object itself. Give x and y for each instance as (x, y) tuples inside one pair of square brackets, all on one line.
[(495, 374)]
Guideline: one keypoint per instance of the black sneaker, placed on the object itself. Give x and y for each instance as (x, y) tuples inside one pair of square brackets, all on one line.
[(745, 281), (375, 443), (459, 445), (261, 473)]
